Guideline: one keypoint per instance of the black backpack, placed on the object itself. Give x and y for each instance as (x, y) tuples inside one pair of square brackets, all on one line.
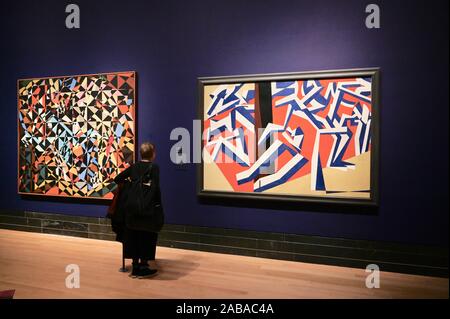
[(143, 206)]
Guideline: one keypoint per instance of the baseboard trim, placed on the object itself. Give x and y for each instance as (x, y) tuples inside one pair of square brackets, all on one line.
[(392, 257)]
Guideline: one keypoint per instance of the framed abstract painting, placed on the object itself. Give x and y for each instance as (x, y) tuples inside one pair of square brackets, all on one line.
[(301, 137), (75, 133)]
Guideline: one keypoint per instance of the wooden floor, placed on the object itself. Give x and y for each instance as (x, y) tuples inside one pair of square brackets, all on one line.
[(34, 265)]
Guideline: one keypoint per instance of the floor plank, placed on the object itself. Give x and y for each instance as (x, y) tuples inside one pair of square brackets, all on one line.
[(34, 264)]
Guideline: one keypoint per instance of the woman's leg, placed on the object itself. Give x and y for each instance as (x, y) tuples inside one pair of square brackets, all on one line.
[(143, 262), (148, 250), (130, 246), (136, 268), (148, 254), (153, 241)]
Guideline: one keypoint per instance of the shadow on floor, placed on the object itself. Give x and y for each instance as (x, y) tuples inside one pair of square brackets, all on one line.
[(173, 269)]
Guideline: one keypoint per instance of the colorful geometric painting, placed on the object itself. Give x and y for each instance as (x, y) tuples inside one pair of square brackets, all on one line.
[(76, 133), (296, 137)]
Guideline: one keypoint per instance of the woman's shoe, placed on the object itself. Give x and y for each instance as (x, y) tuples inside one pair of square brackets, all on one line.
[(135, 272), (146, 272)]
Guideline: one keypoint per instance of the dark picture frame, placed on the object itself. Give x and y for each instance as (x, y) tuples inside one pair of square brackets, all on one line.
[(373, 73)]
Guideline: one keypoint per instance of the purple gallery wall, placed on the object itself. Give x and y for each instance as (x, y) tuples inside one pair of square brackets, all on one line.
[(171, 43)]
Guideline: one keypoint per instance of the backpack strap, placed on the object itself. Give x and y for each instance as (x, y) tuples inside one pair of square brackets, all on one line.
[(148, 172)]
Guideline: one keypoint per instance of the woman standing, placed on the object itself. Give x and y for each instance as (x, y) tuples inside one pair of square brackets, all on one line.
[(140, 232)]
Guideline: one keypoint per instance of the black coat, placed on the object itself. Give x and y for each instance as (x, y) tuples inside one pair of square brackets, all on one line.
[(123, 218)]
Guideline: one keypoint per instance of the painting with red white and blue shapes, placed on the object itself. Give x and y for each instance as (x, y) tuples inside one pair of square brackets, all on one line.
[(297, 136)]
